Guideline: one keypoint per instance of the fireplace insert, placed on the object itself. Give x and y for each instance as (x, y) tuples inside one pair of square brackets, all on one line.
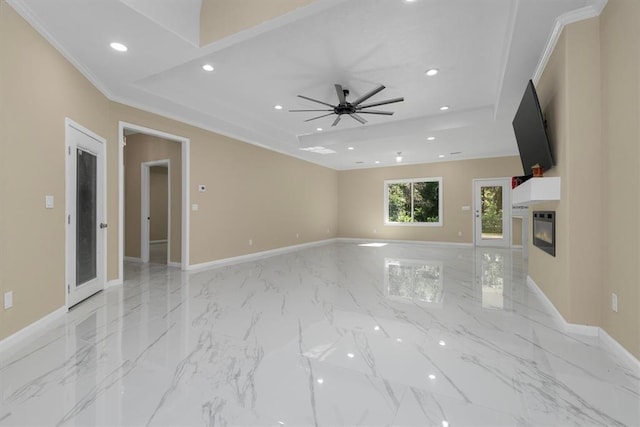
[(544, 231)]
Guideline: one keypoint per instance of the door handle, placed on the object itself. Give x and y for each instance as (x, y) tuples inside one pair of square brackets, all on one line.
[(103, 225)]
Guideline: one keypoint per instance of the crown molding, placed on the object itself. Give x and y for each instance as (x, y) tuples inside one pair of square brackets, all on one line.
[(594, 8)]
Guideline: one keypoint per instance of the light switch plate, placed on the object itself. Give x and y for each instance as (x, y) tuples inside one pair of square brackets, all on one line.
[(195, 207), (48, 202), (8, 300)]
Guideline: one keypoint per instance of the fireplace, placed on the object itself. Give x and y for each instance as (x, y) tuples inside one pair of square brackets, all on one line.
[(544, 231)]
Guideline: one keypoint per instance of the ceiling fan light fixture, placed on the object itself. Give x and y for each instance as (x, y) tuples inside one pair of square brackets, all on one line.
[(399, 157)]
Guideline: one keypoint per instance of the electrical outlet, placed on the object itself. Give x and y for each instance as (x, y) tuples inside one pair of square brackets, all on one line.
[(250, 242), (459, 233), (614, 302), (8, 300)]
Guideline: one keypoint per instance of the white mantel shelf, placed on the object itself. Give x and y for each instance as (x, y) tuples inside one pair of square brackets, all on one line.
[(536, 190)]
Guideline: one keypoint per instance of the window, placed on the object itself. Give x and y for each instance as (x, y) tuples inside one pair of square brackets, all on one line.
[(413, 202)]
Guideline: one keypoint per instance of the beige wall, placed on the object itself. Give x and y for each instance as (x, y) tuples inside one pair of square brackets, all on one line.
[(35, 101), (620, 55), (221, 18), (361, 198), (158, 203), (590, 92), (570, 98), (142, 148)]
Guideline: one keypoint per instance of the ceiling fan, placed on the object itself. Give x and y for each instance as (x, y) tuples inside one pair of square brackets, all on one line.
[(353, 109)]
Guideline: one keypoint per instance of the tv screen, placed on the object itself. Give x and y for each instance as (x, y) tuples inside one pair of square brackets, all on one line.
[(531, 134)]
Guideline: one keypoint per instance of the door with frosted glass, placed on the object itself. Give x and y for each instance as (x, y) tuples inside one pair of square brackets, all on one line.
[(86, 228), (492, 212)]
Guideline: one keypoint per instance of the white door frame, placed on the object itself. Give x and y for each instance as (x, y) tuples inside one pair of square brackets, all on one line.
[(505, 242), (145, 207), (70, 215), (185, 145)]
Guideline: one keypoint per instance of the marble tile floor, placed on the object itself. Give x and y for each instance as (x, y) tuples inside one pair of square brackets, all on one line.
[(333, 335)]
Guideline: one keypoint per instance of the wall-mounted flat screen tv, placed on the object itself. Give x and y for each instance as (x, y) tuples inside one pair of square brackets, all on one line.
[(531, 134)]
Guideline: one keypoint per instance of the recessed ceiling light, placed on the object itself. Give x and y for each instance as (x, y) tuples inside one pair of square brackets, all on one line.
[(444, 108), (278, 107), (441, 155), (432, 377), (119, 47), (431, 72), (349, 148), (442, 343), (376, 328), (207, 67), (320, 381), (351, 355), (319, 129), (431, 138), (399, 157), (377, 162)]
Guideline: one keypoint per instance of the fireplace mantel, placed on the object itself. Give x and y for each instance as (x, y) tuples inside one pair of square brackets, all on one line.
[(536, 190)]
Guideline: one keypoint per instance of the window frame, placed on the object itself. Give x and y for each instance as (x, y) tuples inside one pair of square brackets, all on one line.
[(412, 181)]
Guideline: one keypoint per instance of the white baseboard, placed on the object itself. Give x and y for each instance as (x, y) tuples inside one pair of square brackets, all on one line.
[(410, 242), (595, 331), (32, 329), (607, 341), (575, 328), (174, 264), (286, 249), (113, 283), (153, 242), (257, 255), (132, 259)]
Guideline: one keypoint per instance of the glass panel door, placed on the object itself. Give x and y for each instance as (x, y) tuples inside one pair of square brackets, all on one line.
[(85, 208), (492, 212), (86, 224)]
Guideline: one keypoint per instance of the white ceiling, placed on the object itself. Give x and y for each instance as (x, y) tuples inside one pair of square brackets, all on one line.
[(486, 51)]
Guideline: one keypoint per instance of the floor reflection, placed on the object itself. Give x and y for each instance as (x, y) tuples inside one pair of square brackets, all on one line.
[(493, 273), (414, 280)]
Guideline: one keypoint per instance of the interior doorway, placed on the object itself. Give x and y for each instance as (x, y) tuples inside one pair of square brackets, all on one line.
[(492, 212), (135, 237), (155, 236)]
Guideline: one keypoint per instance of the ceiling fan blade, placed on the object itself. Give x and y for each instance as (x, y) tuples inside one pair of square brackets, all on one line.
[(335, 122), (375, 104), (340, 93), (319, 117), (315, 100), (358, 118), (300, 111), (383, 113), (367, 95)]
